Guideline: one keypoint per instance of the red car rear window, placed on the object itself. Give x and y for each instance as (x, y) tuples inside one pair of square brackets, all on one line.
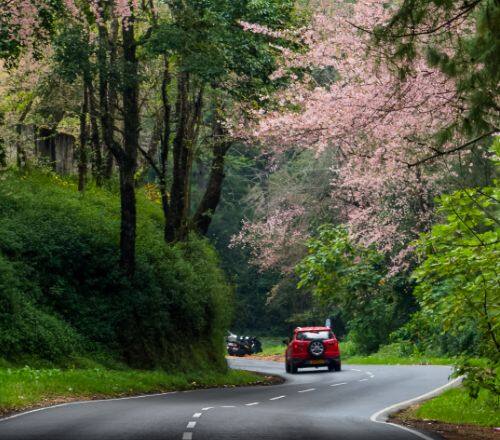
[(309, 336)]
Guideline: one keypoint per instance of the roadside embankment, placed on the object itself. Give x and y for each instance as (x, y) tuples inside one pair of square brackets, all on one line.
[(455, 415), (28, 388)]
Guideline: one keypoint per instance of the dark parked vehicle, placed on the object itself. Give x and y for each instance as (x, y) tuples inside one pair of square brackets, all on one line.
[(242, 345)]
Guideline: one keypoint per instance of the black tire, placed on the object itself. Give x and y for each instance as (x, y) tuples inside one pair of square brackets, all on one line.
[(331, 367), (337, 366), (287, 367), (293, 369), (316, 349)]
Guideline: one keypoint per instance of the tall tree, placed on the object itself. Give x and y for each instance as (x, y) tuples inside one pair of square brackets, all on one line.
[(396, 150), (213, 65)]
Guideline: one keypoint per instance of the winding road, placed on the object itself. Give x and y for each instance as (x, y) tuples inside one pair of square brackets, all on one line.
[(312, 405)]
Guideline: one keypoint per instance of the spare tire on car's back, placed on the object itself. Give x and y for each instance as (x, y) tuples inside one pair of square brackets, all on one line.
[(316, 348)]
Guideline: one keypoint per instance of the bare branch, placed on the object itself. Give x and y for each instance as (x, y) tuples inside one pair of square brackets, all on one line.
[(440, 153)]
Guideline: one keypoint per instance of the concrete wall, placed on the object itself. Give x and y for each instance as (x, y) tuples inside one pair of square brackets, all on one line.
[(57, 149)]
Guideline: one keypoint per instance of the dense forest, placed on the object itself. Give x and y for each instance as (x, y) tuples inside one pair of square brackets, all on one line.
[(174, 169)]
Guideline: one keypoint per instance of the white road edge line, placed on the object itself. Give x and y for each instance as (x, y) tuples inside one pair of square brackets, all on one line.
[(207, 408), (276, 398), (383, 413), (337, 384), (196, 415), (228, 406), (306, 391), (187, 436), (251, 404), (191, 425), (354, 369), (80, 402), (362, 380)]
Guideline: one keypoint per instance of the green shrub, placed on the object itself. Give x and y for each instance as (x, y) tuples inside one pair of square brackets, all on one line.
[(65, 295)]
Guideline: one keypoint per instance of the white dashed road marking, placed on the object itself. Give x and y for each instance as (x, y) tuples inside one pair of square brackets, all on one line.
[(188, 435)]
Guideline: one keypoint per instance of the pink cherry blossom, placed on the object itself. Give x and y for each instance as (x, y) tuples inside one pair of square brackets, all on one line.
[(377, 124)]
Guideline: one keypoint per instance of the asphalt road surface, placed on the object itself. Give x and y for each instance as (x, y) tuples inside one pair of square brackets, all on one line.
[(314, 404)]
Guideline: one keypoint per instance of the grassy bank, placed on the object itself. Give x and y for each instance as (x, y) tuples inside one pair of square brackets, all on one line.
[(457, 407), (63, 294), (26, 387), (376, 359), (273, 346)]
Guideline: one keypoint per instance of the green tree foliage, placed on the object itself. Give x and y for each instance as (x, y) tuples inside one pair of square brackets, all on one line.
[(208, 40), (458, 280), (350, 282), (62, 294)]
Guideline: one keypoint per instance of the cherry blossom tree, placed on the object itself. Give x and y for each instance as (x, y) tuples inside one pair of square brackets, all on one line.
[(25, 24), (351, 99)]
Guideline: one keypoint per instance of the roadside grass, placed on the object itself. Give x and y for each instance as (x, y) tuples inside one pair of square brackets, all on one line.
[(456, 406), (272, 346), (387, 355), (391, 354), (26, 387), (376, 359)]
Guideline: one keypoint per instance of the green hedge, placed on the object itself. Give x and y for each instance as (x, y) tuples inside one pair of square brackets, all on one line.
[(63, 296)]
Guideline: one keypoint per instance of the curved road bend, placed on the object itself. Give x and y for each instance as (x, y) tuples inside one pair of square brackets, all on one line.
[(310, 405)]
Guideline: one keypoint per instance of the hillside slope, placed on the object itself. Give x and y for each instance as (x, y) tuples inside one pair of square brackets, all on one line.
[(64, 300)]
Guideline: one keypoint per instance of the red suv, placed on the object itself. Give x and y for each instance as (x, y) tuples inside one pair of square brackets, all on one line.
[(312, 347)]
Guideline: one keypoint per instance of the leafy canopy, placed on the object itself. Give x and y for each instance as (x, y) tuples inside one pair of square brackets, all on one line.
[(458, 277)]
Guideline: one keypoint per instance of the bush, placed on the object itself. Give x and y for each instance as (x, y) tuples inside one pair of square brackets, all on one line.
[(457, 280), (62, 294)]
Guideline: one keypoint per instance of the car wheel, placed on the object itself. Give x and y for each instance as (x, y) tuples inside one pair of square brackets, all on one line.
[(337, 366), (293, 369), (316, 349), (287, 367), (331, 367)]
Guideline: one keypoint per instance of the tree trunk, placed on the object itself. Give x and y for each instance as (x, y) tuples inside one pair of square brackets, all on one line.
[(164, 146), (107, 91), (128, 164), (3, 153), (206, 209), (128, 218), (82, 150), (97, 167), (187, 165), (21, 158), (174, 220)]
